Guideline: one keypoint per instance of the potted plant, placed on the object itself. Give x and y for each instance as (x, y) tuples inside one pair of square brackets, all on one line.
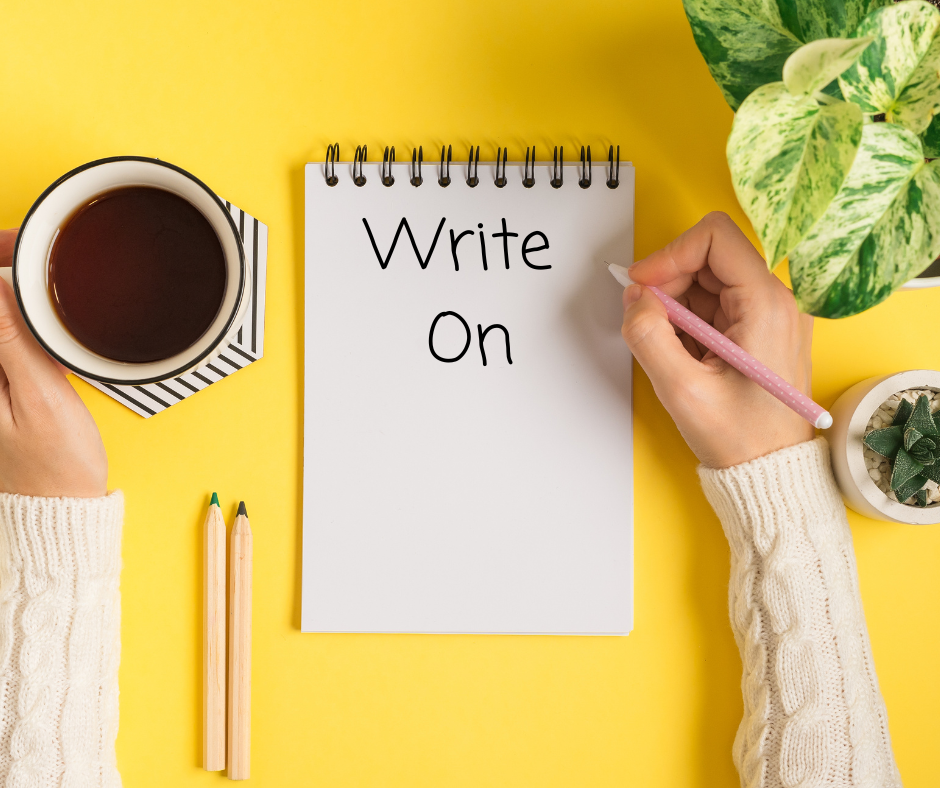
[(836, 120), (885, 445)]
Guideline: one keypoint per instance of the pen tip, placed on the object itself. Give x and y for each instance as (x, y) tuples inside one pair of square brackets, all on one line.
[(242, 511), (620, 274), (215, 500)]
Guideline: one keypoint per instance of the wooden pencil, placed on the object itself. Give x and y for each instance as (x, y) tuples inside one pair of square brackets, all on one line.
[(213, 640), (239, 654)]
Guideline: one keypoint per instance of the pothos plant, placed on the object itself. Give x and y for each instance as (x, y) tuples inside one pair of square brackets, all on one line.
[(836, 115), (912, 443)]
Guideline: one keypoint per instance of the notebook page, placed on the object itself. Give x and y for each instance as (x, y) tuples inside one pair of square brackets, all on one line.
[(442, 494)]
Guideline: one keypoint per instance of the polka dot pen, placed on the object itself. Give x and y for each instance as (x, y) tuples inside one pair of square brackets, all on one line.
[(742, 361)]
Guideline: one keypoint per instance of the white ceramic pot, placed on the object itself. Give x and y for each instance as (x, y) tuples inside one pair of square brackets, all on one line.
[(850, 416), (929, 278), (29, 274)]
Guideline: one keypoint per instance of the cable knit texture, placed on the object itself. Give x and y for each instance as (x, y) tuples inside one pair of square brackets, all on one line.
[(60, 561), (813, 713)]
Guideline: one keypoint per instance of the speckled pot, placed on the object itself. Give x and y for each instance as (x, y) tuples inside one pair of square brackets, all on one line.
[(850, 416)]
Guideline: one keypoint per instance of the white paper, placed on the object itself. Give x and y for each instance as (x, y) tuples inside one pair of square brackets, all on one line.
[(457, 497)]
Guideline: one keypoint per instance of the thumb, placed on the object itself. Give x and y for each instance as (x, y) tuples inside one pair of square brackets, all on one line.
[(7, 241), (654, 343), (25, 363)]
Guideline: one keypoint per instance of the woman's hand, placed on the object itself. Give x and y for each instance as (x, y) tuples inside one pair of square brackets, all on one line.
[(715, 271), (49, 443)]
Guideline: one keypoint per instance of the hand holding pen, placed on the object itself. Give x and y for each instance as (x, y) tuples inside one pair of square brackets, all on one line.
[(714, 271)]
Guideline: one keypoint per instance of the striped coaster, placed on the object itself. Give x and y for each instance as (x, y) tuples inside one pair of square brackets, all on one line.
[(248, 346)]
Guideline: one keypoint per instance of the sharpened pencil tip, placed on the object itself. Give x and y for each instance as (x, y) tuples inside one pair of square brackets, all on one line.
[(215, 500), (242, 511)]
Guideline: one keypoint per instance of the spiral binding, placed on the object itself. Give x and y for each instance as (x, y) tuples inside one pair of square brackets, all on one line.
[(387, 161), (500, 180), (444, 179), (416, 179), (473, 167), (361, 155)]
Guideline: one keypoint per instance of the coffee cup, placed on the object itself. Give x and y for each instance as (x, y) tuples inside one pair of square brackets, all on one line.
[(29, 274)]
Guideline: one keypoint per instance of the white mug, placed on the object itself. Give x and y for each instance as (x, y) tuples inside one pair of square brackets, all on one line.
[(29, 275)]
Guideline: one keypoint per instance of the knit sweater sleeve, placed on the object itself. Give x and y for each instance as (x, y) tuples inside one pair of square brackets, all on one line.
[(813, 712), (60, 561)]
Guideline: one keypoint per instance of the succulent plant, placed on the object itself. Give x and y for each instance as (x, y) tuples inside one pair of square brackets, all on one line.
[(912, 443)]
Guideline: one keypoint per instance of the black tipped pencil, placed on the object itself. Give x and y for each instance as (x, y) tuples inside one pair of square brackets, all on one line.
[(239, 655)]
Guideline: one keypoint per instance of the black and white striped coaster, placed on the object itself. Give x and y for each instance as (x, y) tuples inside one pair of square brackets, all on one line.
[(248, 346)]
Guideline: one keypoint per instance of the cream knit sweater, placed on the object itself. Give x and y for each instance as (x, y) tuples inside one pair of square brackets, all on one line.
[(813, 713), (60, 561)]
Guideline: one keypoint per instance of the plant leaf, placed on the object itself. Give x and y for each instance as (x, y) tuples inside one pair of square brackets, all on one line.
[(933, 472), (905, 468), (931, 139), (921, 497), (816, 64), (911, 436), (905, 409), (936, 421), (885, 442), (788, 157), (812, 19), (881, 229), (898, 73), (921, 419), (746, 42), (910, 487)]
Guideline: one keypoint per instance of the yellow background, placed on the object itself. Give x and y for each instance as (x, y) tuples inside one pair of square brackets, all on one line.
[(243, 94)]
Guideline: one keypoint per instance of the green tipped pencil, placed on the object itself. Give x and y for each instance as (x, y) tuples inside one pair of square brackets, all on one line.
[(239, 655), (213, 643)]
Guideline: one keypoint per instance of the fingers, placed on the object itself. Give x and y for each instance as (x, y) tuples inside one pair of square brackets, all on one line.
[(654, 343), (716, 243), (7, 242), (24, 362)]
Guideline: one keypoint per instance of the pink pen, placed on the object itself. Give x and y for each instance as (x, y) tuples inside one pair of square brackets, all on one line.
[(742, 361)]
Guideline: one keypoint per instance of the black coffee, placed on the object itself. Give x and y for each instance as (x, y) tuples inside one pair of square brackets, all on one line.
[(137, 274)]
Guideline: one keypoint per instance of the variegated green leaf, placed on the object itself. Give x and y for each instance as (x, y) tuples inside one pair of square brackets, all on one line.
[(899, 73), (816, 64), (881, 229), (746, 42), (931, 139), (788, 157), (809, 20)]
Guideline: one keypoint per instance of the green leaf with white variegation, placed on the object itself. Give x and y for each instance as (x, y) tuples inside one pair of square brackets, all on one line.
[(809, 20), (746, 42), (899, 73), (788, 157), (814, 65), (931, 139), (881, 229)]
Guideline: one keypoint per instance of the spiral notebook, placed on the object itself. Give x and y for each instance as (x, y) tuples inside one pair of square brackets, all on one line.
[(468, 447)]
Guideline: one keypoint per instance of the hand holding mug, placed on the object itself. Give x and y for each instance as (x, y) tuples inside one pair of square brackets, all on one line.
[(49, 443)]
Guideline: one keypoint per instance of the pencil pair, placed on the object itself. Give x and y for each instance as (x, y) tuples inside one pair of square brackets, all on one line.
[(214, 756)]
